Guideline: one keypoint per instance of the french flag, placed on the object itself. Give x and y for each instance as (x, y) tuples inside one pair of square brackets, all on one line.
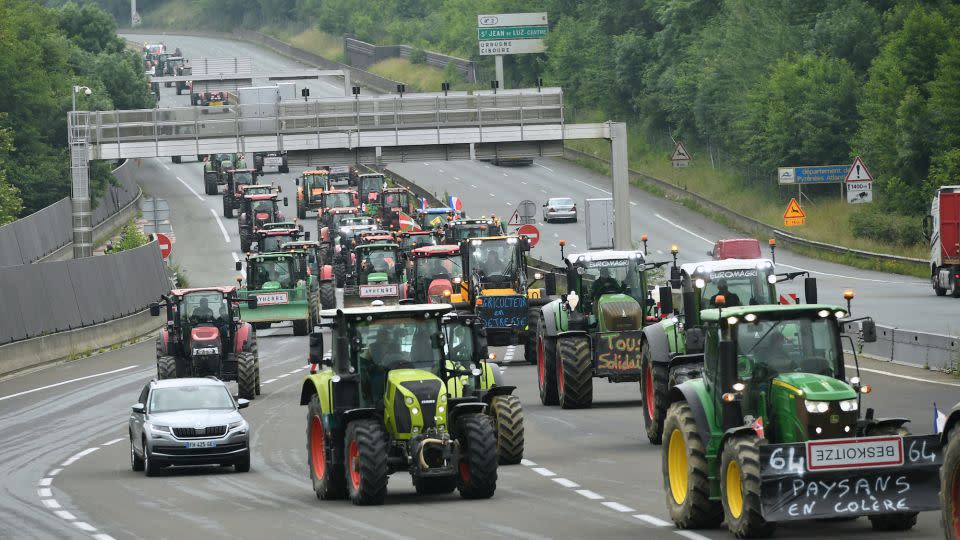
[(423, 203), (456, 203)]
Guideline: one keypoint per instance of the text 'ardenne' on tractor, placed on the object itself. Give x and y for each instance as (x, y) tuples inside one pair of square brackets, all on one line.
[(772, 431), (382, 405), (672, 349), (204, 335), (596, 329)]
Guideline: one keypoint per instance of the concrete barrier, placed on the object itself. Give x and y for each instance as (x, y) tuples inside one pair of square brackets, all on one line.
[(34, 352)]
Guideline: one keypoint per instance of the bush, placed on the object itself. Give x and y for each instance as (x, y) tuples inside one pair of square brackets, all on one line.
[(894, 229), (130, 237), (418, 56)]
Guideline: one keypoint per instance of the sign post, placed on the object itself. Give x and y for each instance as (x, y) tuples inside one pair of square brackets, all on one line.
[(680, 157), (510, 33), (859, 183), (818, 174)]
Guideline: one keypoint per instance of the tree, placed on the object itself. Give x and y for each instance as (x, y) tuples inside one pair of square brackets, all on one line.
[(10, 202)]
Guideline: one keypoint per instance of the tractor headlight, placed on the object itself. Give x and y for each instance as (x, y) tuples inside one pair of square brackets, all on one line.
[(414, 411), (409, 401), (700, 283), (816, 406), (848, 405), (771, 279)]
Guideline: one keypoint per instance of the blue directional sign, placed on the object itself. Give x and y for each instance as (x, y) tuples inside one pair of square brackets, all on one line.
[(825, 174)]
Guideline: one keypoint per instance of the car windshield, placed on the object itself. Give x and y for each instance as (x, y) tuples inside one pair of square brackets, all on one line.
[(273, 243), (443, 267), (561, 201), (190, 398), (396, 343), (740, 287), (337, 200), (274, 274), (243, 177), (768, 347), (204, 306)]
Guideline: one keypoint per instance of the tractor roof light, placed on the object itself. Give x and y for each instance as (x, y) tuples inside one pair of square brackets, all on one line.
[(771, 279), (824, 313), (848, 294), (643, 238), (739, 386), (840, 314), (866, 389), (700, 283), (732, 320), (750, 317), (674, 249), (772, 241)]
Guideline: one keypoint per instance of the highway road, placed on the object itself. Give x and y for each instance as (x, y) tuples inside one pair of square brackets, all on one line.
[(588, 473)]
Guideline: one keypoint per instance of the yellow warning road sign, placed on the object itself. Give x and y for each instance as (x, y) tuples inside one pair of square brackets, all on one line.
[(794, 215)]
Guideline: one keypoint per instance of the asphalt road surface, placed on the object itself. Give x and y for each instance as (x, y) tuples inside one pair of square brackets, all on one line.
[(588, 473)]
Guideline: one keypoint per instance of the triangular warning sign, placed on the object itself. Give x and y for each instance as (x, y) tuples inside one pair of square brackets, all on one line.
[(858, 172), (680, 153), (793, 210), (515, 219)]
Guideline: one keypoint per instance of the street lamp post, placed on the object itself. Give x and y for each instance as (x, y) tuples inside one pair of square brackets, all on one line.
[(80, 179)]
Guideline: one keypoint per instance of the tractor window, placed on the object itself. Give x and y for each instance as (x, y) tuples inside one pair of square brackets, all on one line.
[(607, 277), (494, 259), (273, 243), (431, 268), (743, 287), (380, 262), (459, 345), (386, 344), (463, 231), (394, 200), (337, 200), (372, 183), (274, 274), (243, 177), (200, 307), (791, 345), (265, 206)]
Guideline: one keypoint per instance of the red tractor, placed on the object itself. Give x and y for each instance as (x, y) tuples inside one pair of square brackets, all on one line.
[(272, 237), (256, 211), (204, 336), (434, 274), (393, 202)]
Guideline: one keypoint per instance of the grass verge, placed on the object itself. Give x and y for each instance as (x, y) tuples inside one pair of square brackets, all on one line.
[(312, 40)]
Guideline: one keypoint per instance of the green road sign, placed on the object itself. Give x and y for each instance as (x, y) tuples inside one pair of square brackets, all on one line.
[(512, 32)]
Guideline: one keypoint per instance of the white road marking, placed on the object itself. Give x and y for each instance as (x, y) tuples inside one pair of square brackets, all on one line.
[(573, 245), (592, 186), (492, 195), (543, 191), (659, 252), (188, 187), (684, 229), (84, 526), (54, 385), (114, 441), (45, 482), (633, 203), (474, 186), (236, 258), (906, 377), (75, 457), (872, 280), (65, 515), (51, 504), (44, 492), (655, 521), (566, 483), (282, 376), (426, 164), (54, 472), (589, 494), (543, 472), (268, 381), (226, 237), (509, 203), (524, 182), (505, 174), (441, 170), (165, 166), (692, 535), (618, 507), (539, 165), (555, 235), (527, 463), (456, 178), (294, 372), (102, 537)]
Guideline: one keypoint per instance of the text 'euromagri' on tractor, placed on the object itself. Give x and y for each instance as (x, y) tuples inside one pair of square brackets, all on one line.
[(772, 432), (205, 335), (384, 403)]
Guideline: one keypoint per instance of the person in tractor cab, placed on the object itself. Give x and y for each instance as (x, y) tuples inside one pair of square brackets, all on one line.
[(731, 298), (376, 262), (202, 313), (605, 284), (493, 264)]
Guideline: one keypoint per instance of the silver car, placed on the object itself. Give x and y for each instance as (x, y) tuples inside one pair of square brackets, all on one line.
[(190, 421), (559, 208)]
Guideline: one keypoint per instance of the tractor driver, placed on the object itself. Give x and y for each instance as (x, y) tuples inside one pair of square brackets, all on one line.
[(202, 312), (605, 284), (731, 298), (493, 264)]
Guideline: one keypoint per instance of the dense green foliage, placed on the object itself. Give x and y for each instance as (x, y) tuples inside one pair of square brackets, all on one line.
[(43, 53)]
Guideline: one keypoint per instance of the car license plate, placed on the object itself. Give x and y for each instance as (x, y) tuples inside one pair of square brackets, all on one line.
[(201, 444), (854, 453)]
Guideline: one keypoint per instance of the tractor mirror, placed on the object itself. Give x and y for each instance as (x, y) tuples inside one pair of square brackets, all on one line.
[(155, 309), (710, 252), (810, 289), (306, 236), (550, 282), (239, 266), (297, 181), (316, 346), (252, 302), (286, 202), (869, 330), (675, 280), (666, 301)]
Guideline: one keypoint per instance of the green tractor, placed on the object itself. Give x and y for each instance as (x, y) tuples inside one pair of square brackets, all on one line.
[(387, 401), (596, 329), (370, 187), (773, 432), (313, 252), (375, 272), (672, 349), (284, 290)]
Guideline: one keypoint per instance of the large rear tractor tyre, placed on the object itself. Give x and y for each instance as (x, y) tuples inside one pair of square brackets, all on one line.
[(686, 479), (254, 350), (301, 211), (339, 271), (227, 208), (435, 486), (328, 480), (740, 488), (950, 485), (546, 365), (893, 522), (175, 159), (955, 290), (575, 372), (654, 387), (477, 471), (246, 376), (166, 367), (507, 414), (365, 463), (328, 295), (939, 291), (301, 328)]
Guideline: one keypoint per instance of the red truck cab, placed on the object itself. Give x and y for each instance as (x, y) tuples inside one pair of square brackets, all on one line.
[(736, 248)]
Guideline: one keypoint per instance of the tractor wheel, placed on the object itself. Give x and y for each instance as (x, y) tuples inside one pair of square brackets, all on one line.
[(209, 187), (301, 328), (477, 473), (246, 376), (365, 463), (546, 365), (166, 367), (654, 386), (530, 341), (893, 522), (328, 481), (574, 372), (939, 291), (301, 211), (507, 416), (227, 208), (339, 269), (328, 295), (950, 485), (740, 488), (435, 486), (686, 476), (244, 242), (175, 159), (254, 350), (285, 169)]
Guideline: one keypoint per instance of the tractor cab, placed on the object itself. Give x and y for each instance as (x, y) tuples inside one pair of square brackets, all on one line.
[(310, 249), (274, 235), (256, 212), (171, 65), (374, 236), (341, 175), (237, 178), (434, 218), (310, 188), (393, 202), (369, 187), (348, 235), (338, 200), (458, 230), (610, 290), (435, 275), (378, 263), (411, 240)]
